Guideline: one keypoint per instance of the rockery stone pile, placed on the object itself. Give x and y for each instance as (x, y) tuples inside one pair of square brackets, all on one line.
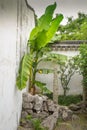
[(42, 108)]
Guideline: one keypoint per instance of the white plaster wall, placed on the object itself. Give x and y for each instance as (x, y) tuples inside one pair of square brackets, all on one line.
[(75, 82), (12, 39)]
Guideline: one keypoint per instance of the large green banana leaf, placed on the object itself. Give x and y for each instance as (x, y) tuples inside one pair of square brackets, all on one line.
[(24, 71), (47, 17), (56, 58), (54, 27), (42, 34), (42, 86), (45, 36), (43, 22)]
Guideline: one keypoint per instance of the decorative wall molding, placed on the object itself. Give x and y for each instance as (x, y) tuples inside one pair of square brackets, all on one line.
[(67, 45)]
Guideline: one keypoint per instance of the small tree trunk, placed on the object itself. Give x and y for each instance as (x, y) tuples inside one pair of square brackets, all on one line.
[(55, 87), (64, 92), (32, 88)]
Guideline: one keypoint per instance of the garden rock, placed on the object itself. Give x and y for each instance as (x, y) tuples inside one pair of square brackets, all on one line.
[(50, 122), (41, 115), (22, 128), (29, 111), (79, 107), (51, 106), (64, 126), (27, 97), (44, 109), (38, 103), (65, 113), (24, 114), (74, 107), (27, 105)]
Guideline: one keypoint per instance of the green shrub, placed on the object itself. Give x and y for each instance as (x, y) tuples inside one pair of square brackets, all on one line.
[(67, 100), (36, 123), (49, 95)]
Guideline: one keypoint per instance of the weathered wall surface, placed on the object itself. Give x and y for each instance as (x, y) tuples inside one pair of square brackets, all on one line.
[(16, 21), (75, 82)]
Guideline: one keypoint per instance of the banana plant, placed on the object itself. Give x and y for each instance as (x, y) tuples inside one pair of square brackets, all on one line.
[(38, 42)]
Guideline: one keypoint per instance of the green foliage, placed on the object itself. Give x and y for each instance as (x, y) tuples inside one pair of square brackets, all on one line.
[(39, 39), (66, 100), (43, 22), (24, 72), (46, 27), (49, 95), (66, 72), (56, 58), (69, 99), (82, 62), (45, 71), (36, 123), (42, 86), (29, 117), (75, 29)]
